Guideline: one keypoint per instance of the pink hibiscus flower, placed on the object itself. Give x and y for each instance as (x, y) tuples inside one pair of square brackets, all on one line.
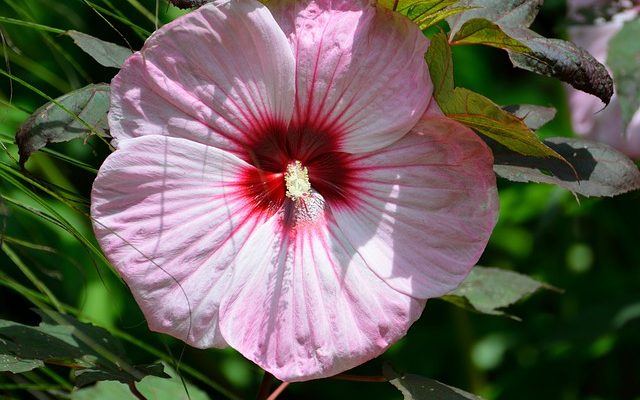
[(279, 187), (589, 116)]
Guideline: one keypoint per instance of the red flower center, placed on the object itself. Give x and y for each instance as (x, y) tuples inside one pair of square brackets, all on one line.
[(277, 146)]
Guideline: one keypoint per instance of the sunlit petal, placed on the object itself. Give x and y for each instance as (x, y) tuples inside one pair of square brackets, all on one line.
[(303, 304), (421, 210), (214, 76), (170, 215), (360, 70)]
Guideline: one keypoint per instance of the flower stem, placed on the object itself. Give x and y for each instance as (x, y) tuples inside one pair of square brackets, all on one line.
[(278, 391), (265, 386)]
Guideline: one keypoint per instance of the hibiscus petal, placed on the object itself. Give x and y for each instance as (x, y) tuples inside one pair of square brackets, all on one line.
[(303, 304), (214, 76), (584, 107), (170, 217), (422, 210), (360, 70), (589, 116)]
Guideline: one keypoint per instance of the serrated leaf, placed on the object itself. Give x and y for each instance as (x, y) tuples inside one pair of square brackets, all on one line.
[(151, 387), (184, 4), (482, 31), (431, 19), (489, 119), (550, 57), (105, 53), (533, 116), (416, 387), (595, 168), (477, 111), (563, 60), (90, 351), (424, 13), (440, 62), (507, 12), (487, 290), (624, 60), (77, 114), (104, 390), (87, 376)]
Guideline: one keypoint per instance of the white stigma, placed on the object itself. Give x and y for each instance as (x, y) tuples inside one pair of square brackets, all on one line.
[(296, 180)]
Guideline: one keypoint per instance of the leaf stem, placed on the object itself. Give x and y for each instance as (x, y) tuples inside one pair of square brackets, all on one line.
[(136, 392)]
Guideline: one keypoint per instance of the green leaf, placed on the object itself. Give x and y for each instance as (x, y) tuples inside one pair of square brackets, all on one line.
[(532, 115), (594, 169), (104, 390), (424, 13), (4, 215), (9, 363), (151, 387), (416, 387), (551, 57), (624, 60), (105, 53), (75, 115), (563, 60), (433, 18), (477, 111), (482, 31), (440, 62), (504, 13), (184, 4), (90, 351), (487, 290), (87, 376), (489, 119)]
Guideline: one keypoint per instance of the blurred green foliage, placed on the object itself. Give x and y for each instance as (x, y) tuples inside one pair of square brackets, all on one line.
[(582, 344)]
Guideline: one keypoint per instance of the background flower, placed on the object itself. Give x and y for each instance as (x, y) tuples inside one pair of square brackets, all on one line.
[(589, 116)]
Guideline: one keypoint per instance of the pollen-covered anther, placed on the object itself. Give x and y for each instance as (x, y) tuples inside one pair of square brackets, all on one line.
[(296, 179)]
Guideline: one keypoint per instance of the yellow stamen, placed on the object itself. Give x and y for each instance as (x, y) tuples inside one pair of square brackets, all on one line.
[(296, 180)]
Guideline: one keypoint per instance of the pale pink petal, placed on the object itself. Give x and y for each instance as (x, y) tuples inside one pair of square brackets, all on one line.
[(303, 304), (421, 210), (589, 116), (594, 39), (220, 75), (360, 70), (578, 9), (604, 125), (170, 216)]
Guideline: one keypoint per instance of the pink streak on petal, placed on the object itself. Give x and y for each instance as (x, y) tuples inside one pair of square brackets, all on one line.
[(589, 116), (302, 303), (212, 76), (360, 70), (170, 217), (423, 209)]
